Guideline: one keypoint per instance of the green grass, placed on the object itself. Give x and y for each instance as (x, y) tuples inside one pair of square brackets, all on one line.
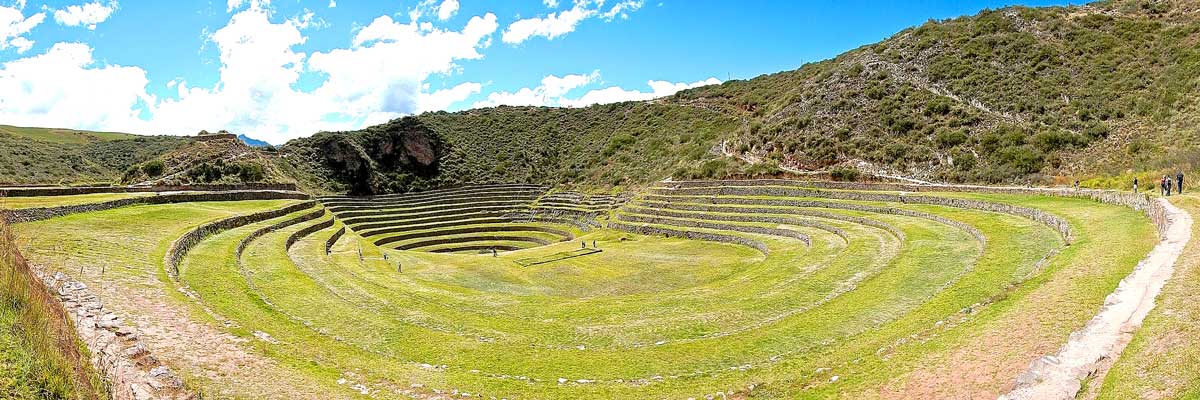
[(40, 358), (54, 135), (16, 203), (648, 316)]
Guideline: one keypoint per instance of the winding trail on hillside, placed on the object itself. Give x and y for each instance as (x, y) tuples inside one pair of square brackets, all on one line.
[(1094, 348)]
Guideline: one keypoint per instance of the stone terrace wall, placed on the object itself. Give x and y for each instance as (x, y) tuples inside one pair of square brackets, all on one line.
[(333, 239), (265, 230), (475, 229), (38, 214), (1136, 201), (973, 231), (303, 233), (899, 234), (74, 190), (705, 236), (757, 230), (1053, 221), (751, 216), (181, 246)]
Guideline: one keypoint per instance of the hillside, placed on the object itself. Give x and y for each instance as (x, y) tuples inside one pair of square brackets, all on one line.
[(1002, 96), (64, 156), (1006, 96), (599, 146)]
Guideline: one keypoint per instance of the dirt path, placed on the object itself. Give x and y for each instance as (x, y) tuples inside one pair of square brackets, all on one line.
[(1092, 349)]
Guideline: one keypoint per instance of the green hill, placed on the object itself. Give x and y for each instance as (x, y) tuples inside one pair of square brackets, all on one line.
[(66, 156), (1011, 95)]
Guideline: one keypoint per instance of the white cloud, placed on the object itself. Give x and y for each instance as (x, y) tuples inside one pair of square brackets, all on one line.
[(232, 5), (563, 22), (14, 25), (554, 90), (447, 9), (88, 14), (443, 99), (622, 9), (549, 93), (332, 4), (65, 88), (550, 3), (616, 94)]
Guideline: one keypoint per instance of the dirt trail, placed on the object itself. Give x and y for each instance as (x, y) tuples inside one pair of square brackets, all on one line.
[(1093, 348)]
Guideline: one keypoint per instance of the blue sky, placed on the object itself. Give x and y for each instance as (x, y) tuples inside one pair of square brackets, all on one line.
[(281, 69)]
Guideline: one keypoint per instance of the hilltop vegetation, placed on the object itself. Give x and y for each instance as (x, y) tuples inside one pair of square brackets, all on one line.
[(607, 145), (61, 156), (1004, 95)]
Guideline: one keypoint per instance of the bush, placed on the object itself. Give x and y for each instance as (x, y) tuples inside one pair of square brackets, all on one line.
[(153, 168), (947, 139), (846, 174)]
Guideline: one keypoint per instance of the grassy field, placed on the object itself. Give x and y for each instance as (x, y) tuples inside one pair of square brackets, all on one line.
[(16, 203), (888, 300), (63, 135)]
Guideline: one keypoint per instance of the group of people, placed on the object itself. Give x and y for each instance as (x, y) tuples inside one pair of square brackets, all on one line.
[(1166, 185)]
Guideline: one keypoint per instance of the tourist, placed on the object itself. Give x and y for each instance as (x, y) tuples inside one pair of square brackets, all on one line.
[(1179, 177), (594, 246), (1135, 184), (1162, 185)]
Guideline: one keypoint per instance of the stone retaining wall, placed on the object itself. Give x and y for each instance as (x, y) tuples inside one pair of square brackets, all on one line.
[(476, 247), (477, 229), (38, 214), (1136, 201), (469, 239), (405, 202), (705, 236), (744, 217), (370, 225), (1053, 221), (401, 213), (685, 223), (183, 244), (439, 225), (116, 350), (68, 191), (333, 239), (241, 248), (422, 217), (899, 234), (303, 233), (975, 232)]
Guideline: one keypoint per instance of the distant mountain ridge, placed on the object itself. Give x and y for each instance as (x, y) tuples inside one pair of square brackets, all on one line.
[(252, 142)]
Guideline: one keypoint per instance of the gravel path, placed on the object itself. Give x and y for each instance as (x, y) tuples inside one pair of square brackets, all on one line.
[(1101, 341)]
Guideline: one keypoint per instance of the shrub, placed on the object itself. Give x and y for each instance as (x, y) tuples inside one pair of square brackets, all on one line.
[(847, 174), (947, 139), (153, 168)]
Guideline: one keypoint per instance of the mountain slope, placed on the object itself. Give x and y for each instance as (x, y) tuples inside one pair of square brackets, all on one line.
[(62, 156), (1004, 95)]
